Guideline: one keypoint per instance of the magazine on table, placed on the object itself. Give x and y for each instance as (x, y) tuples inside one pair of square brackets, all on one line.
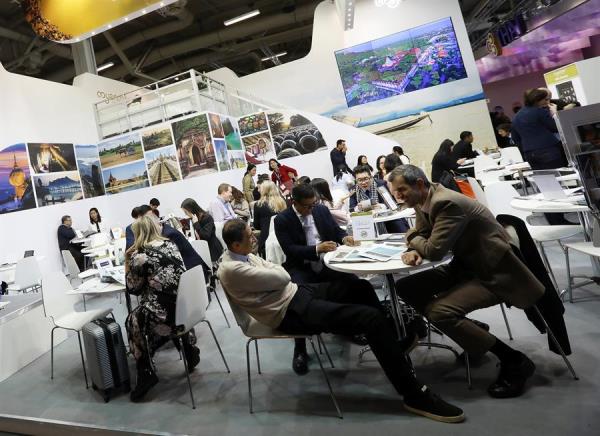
[(350, 256), (384, 252)]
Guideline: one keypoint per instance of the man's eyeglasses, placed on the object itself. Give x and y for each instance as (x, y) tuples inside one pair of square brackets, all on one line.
[(308, 206), (363, 179)]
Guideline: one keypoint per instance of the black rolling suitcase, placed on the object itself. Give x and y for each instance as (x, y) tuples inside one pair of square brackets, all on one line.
[(106, 357)]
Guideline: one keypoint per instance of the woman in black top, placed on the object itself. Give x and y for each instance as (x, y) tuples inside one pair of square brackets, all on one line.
[(362, 160), (271, 203), (443, 161), (204, 227), (380, 173)]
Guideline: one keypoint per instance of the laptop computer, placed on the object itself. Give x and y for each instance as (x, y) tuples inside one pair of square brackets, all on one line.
[(549, 187), (389, 200)]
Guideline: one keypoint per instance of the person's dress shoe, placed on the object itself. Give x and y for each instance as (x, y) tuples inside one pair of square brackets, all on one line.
[(430, 405), (192, 355), (300, 363), (512, 377), (145, 381)]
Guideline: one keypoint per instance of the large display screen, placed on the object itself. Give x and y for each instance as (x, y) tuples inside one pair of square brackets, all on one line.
[(407, 61)]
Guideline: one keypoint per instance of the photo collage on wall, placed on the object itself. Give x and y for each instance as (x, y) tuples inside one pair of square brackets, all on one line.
[(227, 142), (294, 134), (123, 165), (42, 174), (258, 145), (55, 176), (160, 155)]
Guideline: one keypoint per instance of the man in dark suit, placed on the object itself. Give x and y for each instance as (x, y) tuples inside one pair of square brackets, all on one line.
[(484, 272), (190, 257), (65, 234), (306, 231), (463, 149), (338, 156), (367, 196)]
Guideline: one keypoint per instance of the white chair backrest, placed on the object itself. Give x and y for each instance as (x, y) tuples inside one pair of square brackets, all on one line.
[(241, 316), (27, 272), (72, 267), (499, 195), (219, 233), (273, 251), (192, 298), (201, 247), (510, 155), (479, 194), (57, 302)]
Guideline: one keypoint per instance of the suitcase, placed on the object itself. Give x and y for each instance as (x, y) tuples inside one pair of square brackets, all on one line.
[(106, 357)]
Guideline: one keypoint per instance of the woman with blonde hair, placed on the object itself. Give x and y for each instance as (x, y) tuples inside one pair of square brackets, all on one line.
[(154, 267), (270, 203)]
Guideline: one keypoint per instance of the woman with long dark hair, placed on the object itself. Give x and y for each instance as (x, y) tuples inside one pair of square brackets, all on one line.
[(362, 160), (343, 181), (204, 226), (325, 198), (283, 176), (248, 182), (443, 161), (96, 221), (380, 163)]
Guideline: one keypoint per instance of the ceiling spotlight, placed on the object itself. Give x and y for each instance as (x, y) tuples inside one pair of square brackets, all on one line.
[(242, 17)]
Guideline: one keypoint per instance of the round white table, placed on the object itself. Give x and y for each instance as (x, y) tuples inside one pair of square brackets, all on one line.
[(387, 269), (405, 213)]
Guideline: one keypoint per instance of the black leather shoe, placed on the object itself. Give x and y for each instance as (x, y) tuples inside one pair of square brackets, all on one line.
[(431, 406), (512, 377), (300, 363), (145, 381), (192, 356)]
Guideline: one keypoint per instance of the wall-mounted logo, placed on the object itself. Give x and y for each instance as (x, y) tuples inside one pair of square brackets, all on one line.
[(70, 21)]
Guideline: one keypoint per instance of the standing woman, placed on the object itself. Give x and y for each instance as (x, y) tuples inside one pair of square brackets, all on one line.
[(269, 204), (96, 221), (248, 182), (535, 131), (380, 174), (362, 160), (154, 267), (283, 176), (204, 227), (400, 152)]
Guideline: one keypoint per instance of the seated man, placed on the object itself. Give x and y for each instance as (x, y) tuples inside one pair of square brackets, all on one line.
[(306, 231), (463, 149), (220, 208), (266, 292), (65, 234), (484, 272), (367, 197)]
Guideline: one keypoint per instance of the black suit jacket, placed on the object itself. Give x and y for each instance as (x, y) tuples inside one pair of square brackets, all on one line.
[(337, 158), (292, 239), (64, 235), (462, 150)]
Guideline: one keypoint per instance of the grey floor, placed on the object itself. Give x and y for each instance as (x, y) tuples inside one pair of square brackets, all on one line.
[(554, 403)]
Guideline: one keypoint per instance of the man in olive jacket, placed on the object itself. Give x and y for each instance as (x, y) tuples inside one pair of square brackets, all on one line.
[(484, 271)]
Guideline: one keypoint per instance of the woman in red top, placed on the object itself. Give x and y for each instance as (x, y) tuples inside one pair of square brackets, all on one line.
[(283, 176)]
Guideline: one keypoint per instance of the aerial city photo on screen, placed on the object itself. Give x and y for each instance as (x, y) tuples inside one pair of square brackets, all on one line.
[(407, 61)]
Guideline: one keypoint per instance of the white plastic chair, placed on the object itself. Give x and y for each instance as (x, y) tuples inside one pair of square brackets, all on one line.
[(255, 330), (203, 251), (59, 307), (510, 155), (478, 191), (499, 196), (27, 275), (273, 251), (72, 268), (190, 310), (219, 232)]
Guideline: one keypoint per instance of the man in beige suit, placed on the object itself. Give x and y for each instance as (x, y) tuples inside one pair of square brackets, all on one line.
[(484, 271)]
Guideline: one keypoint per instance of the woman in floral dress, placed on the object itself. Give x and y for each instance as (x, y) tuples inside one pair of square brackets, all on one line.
[(154, 267)]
